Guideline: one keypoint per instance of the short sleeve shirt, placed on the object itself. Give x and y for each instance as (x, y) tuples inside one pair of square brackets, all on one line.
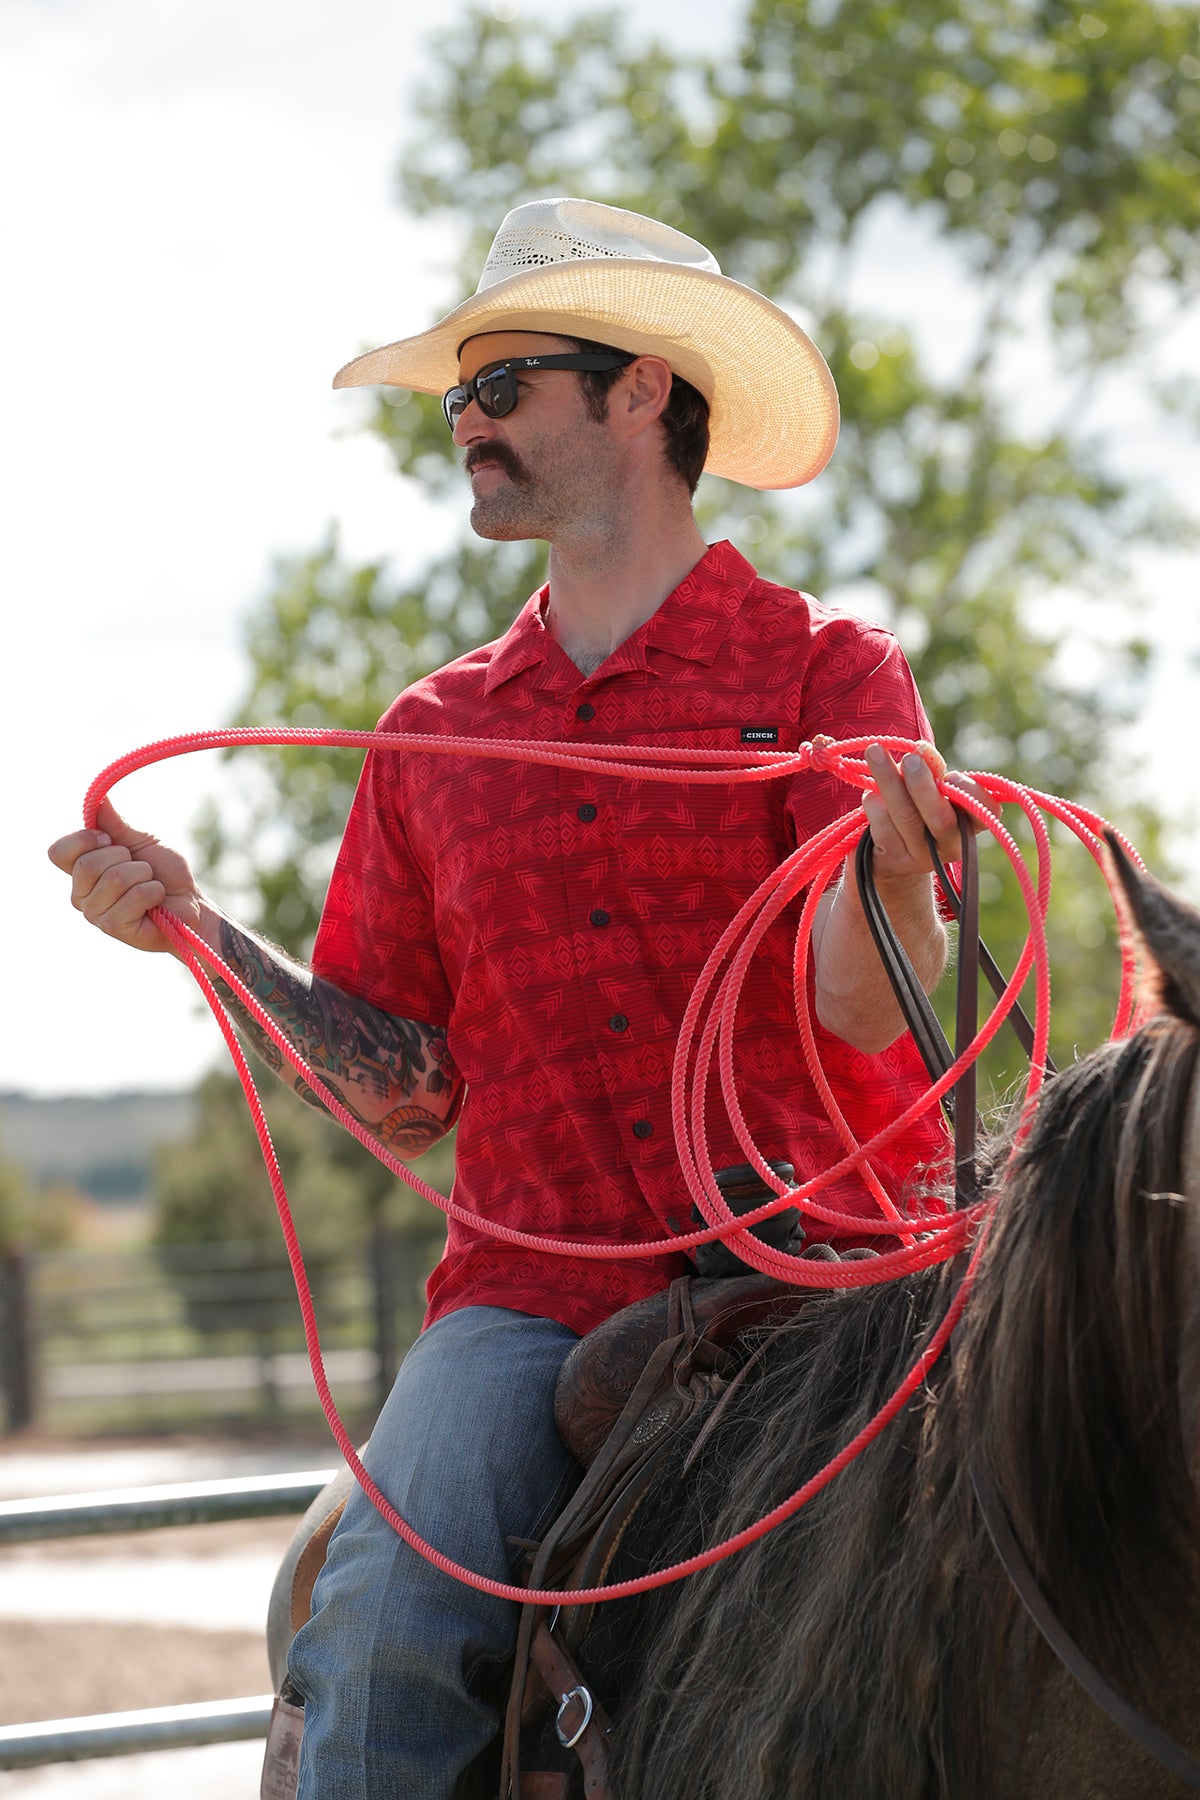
[(555, 922)]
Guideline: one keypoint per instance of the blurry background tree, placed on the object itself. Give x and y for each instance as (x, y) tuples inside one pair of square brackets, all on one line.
[(35, 1215), (211, 1190), (1041, 160)]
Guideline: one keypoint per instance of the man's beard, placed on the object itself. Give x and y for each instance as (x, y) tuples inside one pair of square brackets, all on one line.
[(557, 486), (506, 512)]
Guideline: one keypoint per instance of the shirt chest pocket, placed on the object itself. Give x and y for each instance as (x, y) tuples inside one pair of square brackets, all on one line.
[(702, 844)]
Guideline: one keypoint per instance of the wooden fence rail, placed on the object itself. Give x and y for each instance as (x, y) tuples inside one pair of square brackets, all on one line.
[(175, 1336)]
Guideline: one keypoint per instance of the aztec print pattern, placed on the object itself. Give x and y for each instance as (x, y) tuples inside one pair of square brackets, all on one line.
[(556, 922)]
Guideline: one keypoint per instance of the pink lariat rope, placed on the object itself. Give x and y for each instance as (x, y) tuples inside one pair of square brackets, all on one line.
[(930, 1233)]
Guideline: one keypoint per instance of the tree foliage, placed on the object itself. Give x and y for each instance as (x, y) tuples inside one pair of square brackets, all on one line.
[(1037, 157), (33, 1215), (212, 1188), (333, 645)]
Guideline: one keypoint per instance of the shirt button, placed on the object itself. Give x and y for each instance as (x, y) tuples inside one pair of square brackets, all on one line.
[(642, 1128), (585, 712), (619, 1022), (599, 916), (587, 813)]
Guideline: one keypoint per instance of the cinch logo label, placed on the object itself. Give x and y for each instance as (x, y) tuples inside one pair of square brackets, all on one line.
[(760, 734)]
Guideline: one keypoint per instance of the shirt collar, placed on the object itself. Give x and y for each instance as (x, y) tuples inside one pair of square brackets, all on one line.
[(692, 622), (525, 643)]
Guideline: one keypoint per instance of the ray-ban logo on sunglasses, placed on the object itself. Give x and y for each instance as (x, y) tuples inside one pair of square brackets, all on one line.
[(496, 393)]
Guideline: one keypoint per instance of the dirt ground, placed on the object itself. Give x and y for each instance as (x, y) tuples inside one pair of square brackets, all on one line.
[(60, 1668)]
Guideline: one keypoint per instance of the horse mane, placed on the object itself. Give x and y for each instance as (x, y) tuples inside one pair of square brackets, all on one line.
[(1069, 1360), (872, 1644)]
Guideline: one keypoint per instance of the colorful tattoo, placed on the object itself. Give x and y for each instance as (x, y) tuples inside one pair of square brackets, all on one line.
[(369, 1057)]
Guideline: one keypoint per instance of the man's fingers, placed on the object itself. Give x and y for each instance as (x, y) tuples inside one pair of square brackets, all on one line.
[(893, 786), (115, 892), (954, 779), (65, 852), (91, 868), (910, 802), (119, 875), (102, 884), (907, 801), (125, 917)]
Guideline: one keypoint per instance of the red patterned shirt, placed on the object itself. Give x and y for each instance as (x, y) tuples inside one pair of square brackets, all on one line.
[(556, 921)]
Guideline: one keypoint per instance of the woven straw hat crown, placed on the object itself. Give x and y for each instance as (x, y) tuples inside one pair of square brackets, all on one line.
[(576, 268)]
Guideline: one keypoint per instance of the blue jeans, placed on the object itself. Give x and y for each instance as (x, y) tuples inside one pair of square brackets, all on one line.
[(467, 1452)]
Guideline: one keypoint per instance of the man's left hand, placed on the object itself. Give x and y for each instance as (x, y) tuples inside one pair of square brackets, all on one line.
[(908, 801)]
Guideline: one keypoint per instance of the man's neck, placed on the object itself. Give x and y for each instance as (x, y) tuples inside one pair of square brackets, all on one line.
[(601, 592)]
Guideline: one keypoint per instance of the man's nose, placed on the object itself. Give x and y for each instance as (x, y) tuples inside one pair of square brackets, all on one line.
[(472, 425)]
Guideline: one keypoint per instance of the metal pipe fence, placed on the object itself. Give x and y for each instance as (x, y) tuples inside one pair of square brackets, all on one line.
[(153, 1507), (127, 1733), (24, 1746), (184, 1335)]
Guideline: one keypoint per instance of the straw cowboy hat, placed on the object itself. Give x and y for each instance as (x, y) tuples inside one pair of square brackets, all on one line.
[(574, 268)]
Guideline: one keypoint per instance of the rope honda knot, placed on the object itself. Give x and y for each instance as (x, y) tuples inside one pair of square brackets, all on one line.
[(818, 756)]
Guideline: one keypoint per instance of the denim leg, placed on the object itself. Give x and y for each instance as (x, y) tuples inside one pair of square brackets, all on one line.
[(466, 1450)]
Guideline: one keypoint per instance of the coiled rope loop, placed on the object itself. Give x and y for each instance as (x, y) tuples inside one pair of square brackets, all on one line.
[(928, 1233)]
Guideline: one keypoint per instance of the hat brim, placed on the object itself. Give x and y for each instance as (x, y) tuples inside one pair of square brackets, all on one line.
[(773, 419)]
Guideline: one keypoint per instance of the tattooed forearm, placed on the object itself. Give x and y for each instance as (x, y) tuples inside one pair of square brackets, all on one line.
[(395, 1075)]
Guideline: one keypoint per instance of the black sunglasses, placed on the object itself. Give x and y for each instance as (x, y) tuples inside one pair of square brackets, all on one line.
[(495, 392)]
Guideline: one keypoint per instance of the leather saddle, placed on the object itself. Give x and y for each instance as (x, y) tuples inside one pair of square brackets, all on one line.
[(623, 1395)]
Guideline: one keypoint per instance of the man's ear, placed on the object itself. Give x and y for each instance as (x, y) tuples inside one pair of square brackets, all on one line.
[(641, 396)]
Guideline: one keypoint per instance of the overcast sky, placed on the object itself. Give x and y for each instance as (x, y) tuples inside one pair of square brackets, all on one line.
[(198, 229)]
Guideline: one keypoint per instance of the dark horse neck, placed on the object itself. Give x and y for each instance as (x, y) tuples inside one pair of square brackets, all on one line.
[(938, 1057), (1081, 1669), (873, 1645)]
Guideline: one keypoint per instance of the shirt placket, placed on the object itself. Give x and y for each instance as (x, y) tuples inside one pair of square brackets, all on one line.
[(617, 999)]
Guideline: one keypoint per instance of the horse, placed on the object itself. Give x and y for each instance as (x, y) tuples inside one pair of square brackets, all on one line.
[(873, 1645)]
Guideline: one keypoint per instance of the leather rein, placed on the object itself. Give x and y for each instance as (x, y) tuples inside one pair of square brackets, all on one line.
[(974, 958)]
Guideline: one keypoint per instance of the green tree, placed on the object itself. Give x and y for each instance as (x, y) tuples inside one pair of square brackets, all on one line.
[(35, 1216), (1048, 152), (212, 1190)]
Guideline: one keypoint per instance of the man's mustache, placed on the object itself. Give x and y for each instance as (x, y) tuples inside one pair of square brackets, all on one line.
[(502, 456)]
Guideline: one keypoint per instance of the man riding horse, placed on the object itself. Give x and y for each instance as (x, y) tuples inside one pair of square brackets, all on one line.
[(511, 946)]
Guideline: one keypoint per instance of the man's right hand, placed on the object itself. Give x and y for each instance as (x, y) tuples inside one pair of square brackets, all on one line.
[(118, 875)]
